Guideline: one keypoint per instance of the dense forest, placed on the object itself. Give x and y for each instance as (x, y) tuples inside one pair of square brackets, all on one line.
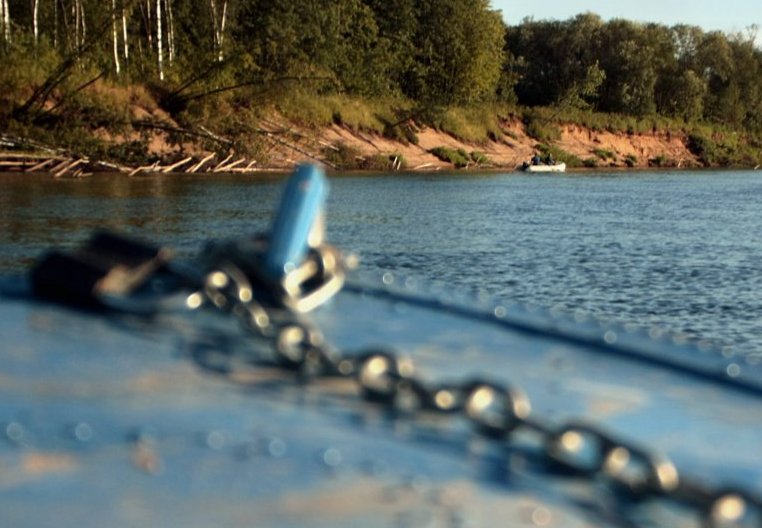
[(197, 57)]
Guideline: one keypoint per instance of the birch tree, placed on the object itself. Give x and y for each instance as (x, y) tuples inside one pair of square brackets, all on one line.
[(218, 26), (80, 26), (5, 20), (35, 20), (115, 37), (223, 19), (125, 46), (170, 31), (147, 11), (159, 41)]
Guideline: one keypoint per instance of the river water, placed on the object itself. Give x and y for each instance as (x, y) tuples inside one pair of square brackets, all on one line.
[(681, 250)]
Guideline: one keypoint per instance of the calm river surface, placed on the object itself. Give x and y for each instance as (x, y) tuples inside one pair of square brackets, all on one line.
[(681, 250)]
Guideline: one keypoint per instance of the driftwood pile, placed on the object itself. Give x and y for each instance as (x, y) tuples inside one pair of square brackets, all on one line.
[(284, 147), (22, 155), (79, 167), (192, 165)]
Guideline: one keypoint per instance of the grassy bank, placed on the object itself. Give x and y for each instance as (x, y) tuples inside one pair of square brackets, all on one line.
[(141, 124)]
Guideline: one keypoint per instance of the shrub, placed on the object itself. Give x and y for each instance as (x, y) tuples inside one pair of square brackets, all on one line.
[(404, 132), (459, 158), (344, 157), (479, 158), (704, 148), (470, 123), (604, 154), (384, 162), (315, 110), (539, 127)]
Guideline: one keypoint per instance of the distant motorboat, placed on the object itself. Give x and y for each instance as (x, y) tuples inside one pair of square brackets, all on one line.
[(542, 167)]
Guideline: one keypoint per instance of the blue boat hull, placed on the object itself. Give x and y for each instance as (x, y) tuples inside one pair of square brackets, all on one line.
[(120, 420)]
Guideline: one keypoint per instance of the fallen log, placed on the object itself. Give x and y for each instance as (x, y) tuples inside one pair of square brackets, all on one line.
[(227, 168), (27, 162), (40, 165), (201, 163), (223, 162), (60, 165), (68, 167), (113, 166), (144, 168), (171, 168)]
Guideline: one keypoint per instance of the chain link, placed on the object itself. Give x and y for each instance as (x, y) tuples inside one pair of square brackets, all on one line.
[(496, 411)]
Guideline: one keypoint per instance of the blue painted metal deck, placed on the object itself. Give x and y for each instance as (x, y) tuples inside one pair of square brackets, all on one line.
[(115, 420)]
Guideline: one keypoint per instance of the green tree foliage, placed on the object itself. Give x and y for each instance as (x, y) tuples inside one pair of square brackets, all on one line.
[(557, 59), (631, 80), (397, 25), (459, 52), (637, 69), (447, 51), (680, 94), (716, 60), (442, 52), (747, 81), (435, 53), (332, 38)]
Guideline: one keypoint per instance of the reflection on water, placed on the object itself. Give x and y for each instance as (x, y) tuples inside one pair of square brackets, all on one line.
[(681, 250), (37, 212)]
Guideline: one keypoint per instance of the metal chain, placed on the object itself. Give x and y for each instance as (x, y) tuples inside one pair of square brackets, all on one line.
[(495, 410)]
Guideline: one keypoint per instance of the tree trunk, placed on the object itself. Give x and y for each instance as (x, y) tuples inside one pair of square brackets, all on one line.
[(80, 27), (126, 49), (218, 26), (215, 27), (115, 38), (6, 20), (55, 24), (221, 39), (75, 16), (35, 20), (147, 17), (84, 21), (159, 42), (170, 31)]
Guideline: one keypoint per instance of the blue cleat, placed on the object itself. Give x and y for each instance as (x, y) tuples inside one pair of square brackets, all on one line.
[(300, 208)]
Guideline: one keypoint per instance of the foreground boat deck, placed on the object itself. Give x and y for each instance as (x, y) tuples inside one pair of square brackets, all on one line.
[(117, 420)]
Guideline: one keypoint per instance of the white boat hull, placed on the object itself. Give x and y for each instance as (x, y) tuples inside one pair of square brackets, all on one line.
[(558, 167)]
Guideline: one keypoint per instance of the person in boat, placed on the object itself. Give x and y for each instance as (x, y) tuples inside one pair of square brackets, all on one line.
[(549, 160), (536, 160)]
